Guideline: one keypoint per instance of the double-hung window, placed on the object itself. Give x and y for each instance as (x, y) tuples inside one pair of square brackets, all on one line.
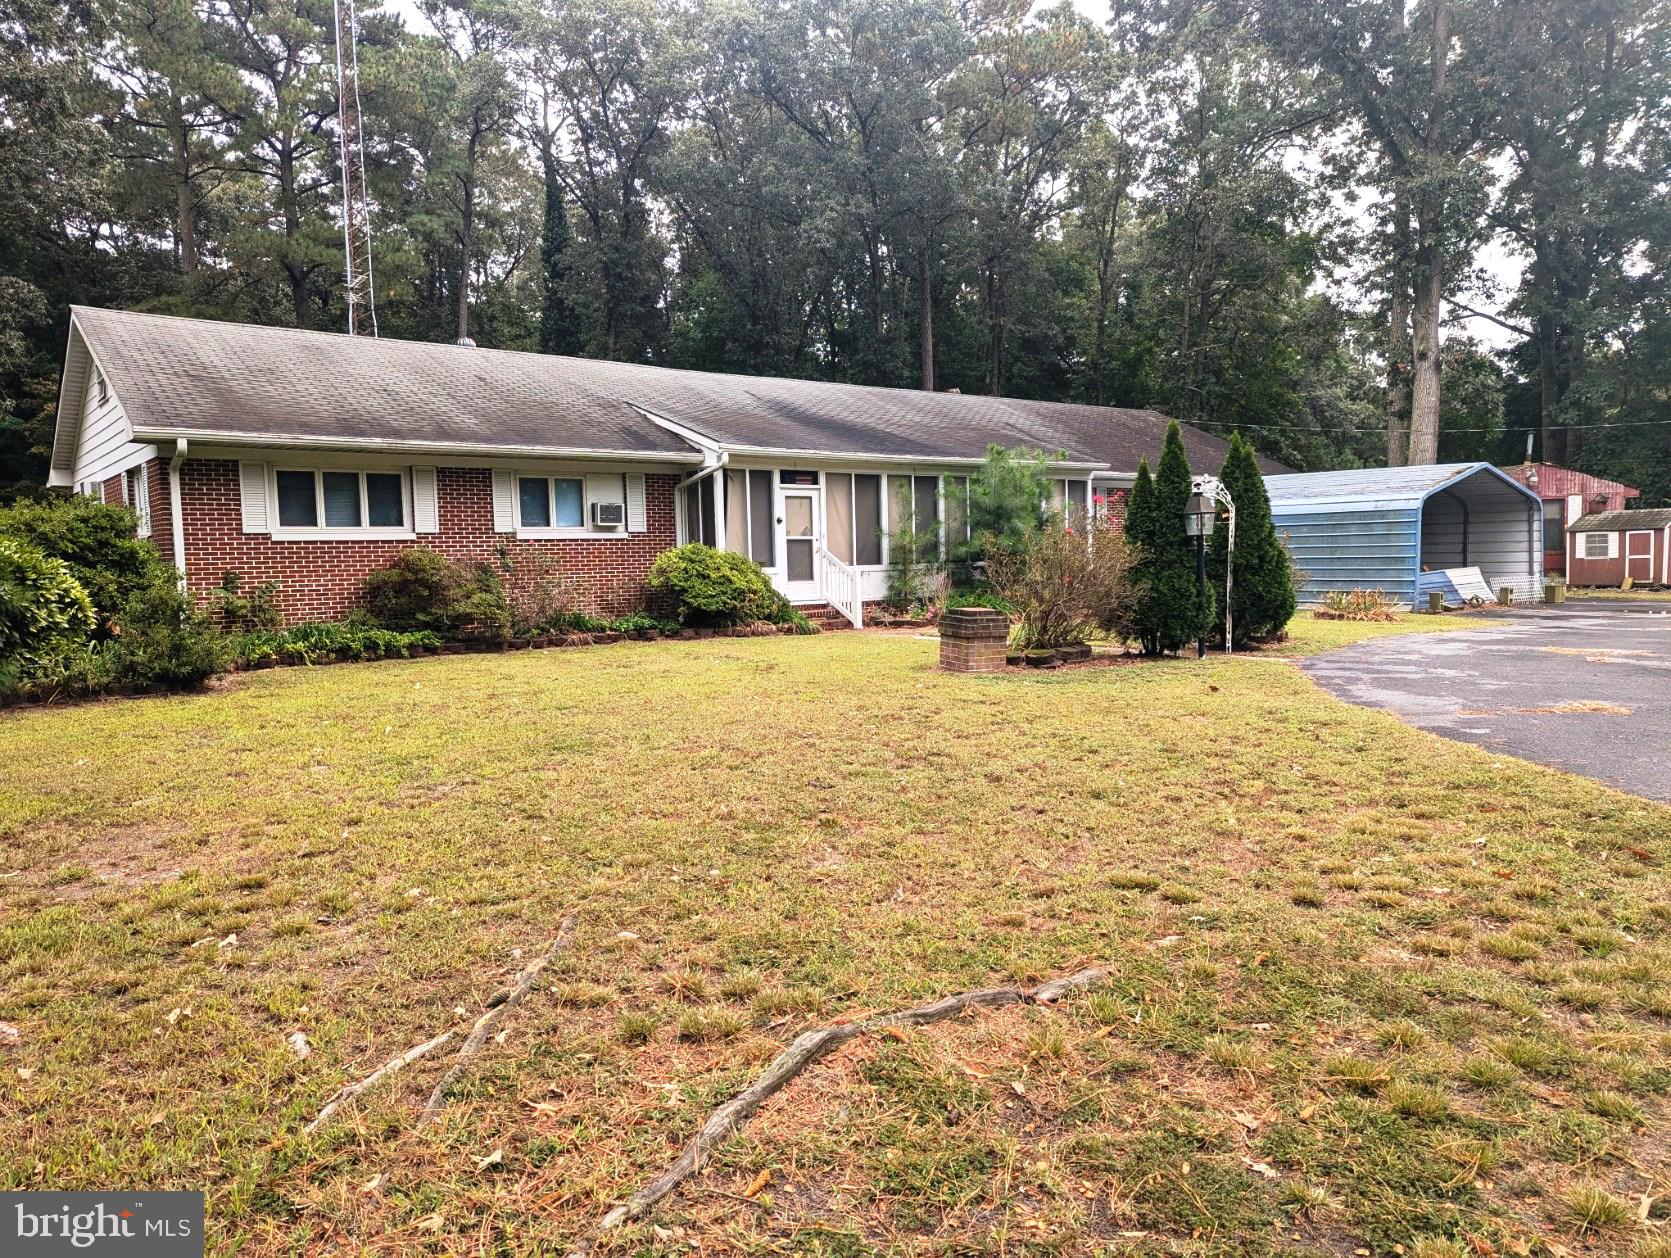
[(320, 499), (1598, 546), (551, 502)]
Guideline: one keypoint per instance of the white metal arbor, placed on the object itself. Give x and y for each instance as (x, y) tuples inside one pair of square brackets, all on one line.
[(1212, 487)]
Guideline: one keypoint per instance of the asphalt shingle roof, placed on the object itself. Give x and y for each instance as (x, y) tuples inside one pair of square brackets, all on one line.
[(1610, 521), (242, 381)]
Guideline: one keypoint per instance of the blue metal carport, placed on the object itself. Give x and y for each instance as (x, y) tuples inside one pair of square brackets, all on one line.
[(1381, 528)]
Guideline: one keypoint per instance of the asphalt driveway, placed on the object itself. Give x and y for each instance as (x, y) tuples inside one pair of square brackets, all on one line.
[(1582, 687)]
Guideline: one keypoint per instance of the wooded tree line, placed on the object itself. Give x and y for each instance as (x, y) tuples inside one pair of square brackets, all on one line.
[(1257, 213)]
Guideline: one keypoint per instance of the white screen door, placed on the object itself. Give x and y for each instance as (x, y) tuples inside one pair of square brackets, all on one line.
[(798, 535)]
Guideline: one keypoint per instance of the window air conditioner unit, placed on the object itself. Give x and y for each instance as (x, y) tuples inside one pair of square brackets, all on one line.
[(609, 514)]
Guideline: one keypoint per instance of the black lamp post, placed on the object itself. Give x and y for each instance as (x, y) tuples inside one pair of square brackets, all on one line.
[(1199, 513)]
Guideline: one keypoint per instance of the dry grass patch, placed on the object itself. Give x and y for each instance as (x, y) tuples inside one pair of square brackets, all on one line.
[(762, 835)]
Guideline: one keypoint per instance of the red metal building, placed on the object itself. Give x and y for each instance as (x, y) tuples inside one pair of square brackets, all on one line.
[(1567, 495)]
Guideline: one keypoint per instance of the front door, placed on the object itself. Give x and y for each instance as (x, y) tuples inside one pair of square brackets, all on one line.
[(798, 530), (1639, 556)]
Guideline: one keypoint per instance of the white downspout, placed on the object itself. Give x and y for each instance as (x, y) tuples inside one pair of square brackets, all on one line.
[(177, 524)]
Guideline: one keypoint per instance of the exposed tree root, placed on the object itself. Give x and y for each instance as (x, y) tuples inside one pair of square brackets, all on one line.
[(805, 1049), (351, 1090), (498, 1007)]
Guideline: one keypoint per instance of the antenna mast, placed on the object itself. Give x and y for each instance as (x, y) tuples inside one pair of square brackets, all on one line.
[(356, 205)]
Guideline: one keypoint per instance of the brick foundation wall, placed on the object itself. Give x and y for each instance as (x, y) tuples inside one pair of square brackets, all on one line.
[(321, 580)]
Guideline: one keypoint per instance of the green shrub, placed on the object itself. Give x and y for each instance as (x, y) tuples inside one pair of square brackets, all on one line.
[(161, 639), (256, 609), (578, 622), (716, 587), (424, 590), (421, 589), (982, 598), (640, 622), (96, 541), (42, 605), (63, 669), (343, 639)]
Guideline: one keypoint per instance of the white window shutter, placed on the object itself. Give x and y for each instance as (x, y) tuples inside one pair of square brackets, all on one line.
[(504, 501), (252, 496), (636, 522), (426, 506)]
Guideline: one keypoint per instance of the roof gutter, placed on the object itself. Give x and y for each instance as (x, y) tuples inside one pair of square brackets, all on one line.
[(906, 460), (175, 519), (434, 448)]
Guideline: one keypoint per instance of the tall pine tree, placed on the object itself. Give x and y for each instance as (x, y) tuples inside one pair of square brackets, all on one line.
[(1171, 610), (1262, 598), (560, 326)]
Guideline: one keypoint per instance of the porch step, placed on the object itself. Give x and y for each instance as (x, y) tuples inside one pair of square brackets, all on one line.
[(825, 617)]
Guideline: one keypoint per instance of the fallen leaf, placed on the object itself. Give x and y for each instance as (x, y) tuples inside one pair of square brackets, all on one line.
[(231, 941), (496, 1158), (299, 1045), (374, 1183), (1260, 1168), (757, 1185), (1306, 1111), (1245, 1119), (430, 1222), (9, 1034), (1015, 1086), (25, 1073)]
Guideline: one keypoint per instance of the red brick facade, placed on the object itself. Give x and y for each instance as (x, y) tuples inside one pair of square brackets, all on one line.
[(321, 580)]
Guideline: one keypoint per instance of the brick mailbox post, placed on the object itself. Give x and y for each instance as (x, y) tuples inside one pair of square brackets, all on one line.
[(973, 640)]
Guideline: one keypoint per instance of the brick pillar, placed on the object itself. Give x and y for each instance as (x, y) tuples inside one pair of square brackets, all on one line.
[(973, 639)]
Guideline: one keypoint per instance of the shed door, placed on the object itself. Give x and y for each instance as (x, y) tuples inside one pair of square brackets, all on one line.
[(1639, 555)]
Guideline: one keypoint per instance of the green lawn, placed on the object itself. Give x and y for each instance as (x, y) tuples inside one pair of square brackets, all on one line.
[(1370, 988)]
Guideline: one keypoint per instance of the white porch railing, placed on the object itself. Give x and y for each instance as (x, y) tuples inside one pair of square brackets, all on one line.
[(841, 588)]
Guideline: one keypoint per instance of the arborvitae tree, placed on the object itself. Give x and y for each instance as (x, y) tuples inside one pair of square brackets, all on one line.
[(560, 328), (1172, 611), (1140, 506), (1262, 596)]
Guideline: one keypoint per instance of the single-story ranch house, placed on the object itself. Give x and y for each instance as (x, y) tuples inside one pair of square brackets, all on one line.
[(312, 458)]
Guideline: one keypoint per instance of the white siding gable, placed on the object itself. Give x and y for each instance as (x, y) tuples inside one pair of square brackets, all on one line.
[(102, 448)]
